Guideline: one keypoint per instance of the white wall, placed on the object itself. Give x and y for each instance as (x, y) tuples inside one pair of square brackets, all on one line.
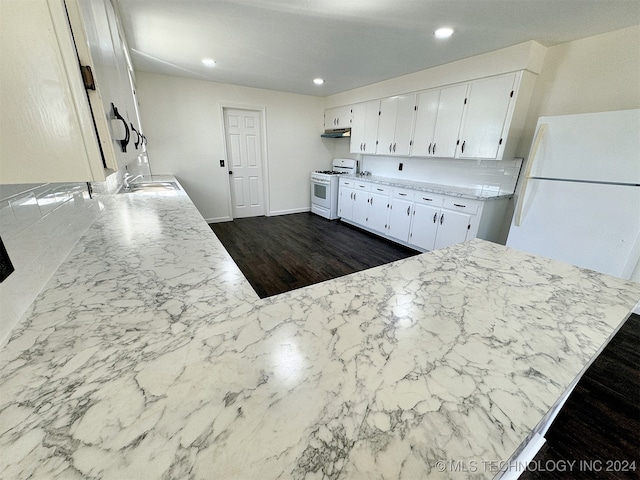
[(594, 74), (183, 122), (524, 56)]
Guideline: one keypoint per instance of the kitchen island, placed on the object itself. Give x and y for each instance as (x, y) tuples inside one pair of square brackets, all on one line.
[(149, 356)]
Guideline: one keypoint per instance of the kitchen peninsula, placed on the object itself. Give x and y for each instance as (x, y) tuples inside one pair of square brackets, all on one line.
[(149, 356)]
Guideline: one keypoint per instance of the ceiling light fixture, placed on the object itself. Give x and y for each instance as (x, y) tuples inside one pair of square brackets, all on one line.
[(444, 32), (208, 62), (318, 81)]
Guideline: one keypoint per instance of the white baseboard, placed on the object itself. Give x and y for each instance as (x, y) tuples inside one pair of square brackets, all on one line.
[(218, 219), (274, 213)]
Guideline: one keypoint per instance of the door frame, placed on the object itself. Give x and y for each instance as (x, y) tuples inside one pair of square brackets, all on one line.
[(262, 114)]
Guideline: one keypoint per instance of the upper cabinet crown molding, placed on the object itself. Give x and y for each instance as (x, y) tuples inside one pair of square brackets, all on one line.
[(70, 110)]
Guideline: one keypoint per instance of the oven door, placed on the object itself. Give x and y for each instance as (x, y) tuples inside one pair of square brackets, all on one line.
[(321, 194)]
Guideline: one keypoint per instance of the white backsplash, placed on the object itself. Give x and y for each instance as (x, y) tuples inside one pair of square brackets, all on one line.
[(498, 176), (39, 225)]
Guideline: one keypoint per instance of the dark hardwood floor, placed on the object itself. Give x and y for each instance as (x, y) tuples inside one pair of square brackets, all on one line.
[(598, 426), (286, 252)]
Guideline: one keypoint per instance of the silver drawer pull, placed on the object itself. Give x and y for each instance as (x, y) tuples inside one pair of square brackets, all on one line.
[(428, 199), (402, 194), (458, 205)]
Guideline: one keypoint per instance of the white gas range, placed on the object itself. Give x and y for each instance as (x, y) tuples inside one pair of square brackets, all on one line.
[(324, 187)]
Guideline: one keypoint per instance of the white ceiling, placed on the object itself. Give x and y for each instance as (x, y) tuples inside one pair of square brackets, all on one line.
[(285, 44)]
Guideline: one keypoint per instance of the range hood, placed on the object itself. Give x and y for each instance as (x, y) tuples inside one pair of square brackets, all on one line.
[(337, 133)]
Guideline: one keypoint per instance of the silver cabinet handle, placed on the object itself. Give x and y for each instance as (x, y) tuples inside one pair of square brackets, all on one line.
[(390, 145), (371, 201), (427, 199), (365, 147), (435, 217), (394, 148), (429, 149), (408, 209), (434, 149), (459, 205), (441, 218)]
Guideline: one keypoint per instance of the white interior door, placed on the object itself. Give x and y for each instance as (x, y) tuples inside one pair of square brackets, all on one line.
[(243, 133)]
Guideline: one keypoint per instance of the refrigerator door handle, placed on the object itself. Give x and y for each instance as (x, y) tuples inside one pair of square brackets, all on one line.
[(532, 158)]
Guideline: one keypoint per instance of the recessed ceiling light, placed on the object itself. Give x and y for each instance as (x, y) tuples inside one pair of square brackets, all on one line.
[(444, 32), (318, 81), (208, 62)]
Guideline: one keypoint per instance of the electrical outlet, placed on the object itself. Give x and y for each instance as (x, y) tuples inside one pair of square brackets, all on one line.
[(400, 166)]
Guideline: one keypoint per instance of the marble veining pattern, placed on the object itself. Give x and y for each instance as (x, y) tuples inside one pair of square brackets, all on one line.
[(149, 356), (450, 190)]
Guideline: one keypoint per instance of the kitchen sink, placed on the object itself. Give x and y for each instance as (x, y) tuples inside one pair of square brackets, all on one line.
[(151, 187)]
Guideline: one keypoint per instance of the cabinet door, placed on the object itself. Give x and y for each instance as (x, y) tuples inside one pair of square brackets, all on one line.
[(405, 116), (488, 103), (372, 117), (425, 123), (399, 219), (364, 127), (387, 126), (99, 45), (453, 228), (424, 226), (378, 211), (395, 125), (337, 117), (345, 203), (360, 207), (450, 110)]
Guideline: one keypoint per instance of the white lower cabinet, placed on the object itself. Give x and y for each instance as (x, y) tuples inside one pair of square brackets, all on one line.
[(453, 227), (364, 204), (425, 226), (345, 201), (378, 208), (400, 207), (419, 219)]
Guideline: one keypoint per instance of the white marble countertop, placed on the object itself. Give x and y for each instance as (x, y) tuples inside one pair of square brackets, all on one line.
[(450, 190), (149, 356)]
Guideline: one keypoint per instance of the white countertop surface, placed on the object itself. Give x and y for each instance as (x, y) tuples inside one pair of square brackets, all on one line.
[(451, 190), (148, 355)]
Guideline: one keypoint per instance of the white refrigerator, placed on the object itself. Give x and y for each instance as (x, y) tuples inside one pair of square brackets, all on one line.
[(579, 199)]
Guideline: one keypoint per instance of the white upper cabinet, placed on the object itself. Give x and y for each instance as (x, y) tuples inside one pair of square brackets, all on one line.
[(395, 126), (438, 121), (49, 131), (338, 117), (364, 127), (486, 116), (426, 117), (480, 119), (113, 102)]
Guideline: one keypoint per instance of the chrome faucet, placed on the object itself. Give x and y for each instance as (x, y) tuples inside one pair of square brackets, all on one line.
[(127, 179)]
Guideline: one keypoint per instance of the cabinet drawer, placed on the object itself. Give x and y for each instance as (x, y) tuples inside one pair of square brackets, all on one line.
[(426, 198), (364, 186), (462, 205), (347, 182), (380, 189), (404, 194)]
